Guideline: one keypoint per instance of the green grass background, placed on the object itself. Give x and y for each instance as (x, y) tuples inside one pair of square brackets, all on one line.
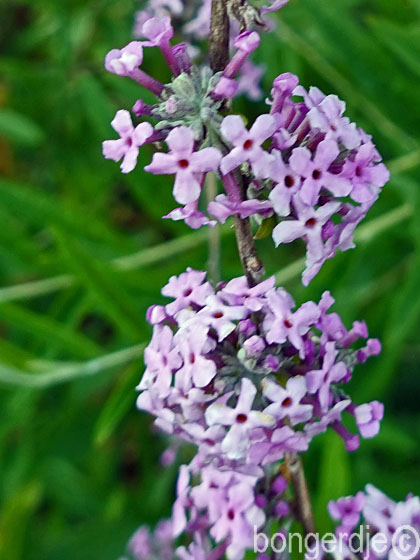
[(83, 253)]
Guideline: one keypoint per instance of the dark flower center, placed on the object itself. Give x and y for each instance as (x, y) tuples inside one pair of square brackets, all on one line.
[(241, 418), (287, 324), (248, 144), (192, 358), (187, 292), (218, 314), (231, 514), (289, 181), (316, 174), (287, 402), (310, 223), (358, 172), (129, 141), (183, 163)]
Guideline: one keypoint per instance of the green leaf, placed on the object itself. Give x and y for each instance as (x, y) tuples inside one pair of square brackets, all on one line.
[(20, 129), (266, 228), (48, 331), (121, 400), (104, 284)]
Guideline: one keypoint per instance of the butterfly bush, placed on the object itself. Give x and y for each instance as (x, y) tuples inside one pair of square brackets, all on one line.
[(306, 166), (237, 370)]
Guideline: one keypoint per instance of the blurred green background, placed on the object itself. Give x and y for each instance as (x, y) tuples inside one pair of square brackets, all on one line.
[(84, 252)]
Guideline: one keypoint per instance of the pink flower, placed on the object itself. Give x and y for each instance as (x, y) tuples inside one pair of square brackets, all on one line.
[(315, 174), (287, 401), (124, 62), (127, 146), (241, 419), (187, 164), (319, 381), (247, 144)]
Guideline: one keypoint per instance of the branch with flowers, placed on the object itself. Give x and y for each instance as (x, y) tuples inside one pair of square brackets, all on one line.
[(237, 369)]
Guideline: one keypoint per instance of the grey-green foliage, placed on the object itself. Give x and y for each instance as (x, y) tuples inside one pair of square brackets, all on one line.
[(84, 252)]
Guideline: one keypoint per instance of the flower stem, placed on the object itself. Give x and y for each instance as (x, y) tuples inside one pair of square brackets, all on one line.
[(219, 35), (252, 265)]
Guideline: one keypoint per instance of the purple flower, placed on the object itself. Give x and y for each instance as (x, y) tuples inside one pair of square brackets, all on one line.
[(246, 43), (247, 144), (282, 324), (157, 30), (319, 381), (191, 216), (124, 62), (309, 225), (315, 174), (238, 292), (347, 510), (241, 419), (186, 289), (286, 402), (187, 164), (368, 417), (222, 208), (161, 359), (225, 88), (237, 517), (287, 185), (126, 147), (366, 174), (327, 116), (220, 316), (197, 369)]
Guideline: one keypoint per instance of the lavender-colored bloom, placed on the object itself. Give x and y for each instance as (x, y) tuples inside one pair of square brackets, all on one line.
[(309, 225), (157, 545), (225, 88), (347, 510), (197, 369), (247, 144), (222, 208), (238, 292), (367, 175), (161, 359), (327, 116), (284, 325), (246, 43), (188, 288), (287, 185), (241, 419), (187, 164), (287, 401), (159, 31), (220, 316), (126, 147), (124, 62), (191, 216), (319, 381), (315, 174), (368, 417)]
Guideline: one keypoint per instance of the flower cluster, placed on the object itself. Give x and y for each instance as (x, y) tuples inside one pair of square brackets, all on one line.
[(303, 163), (156, 545), (246, 376), (237, 369), (393, 527)]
